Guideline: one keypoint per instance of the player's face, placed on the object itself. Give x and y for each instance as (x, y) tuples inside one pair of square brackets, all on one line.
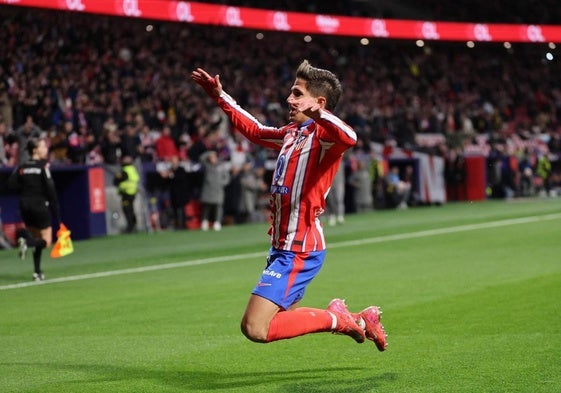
[(298, 92)]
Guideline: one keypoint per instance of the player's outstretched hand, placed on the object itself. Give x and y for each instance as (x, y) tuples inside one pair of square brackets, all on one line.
[(310, 107), (212, 86)]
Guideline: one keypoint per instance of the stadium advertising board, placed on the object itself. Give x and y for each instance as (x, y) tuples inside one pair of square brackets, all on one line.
[(298, 22)]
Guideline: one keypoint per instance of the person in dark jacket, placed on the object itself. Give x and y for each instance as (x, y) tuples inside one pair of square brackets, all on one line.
[(179, 190), (38, 201)]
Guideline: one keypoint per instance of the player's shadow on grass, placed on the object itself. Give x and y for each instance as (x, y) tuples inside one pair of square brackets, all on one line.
[(302, 381)]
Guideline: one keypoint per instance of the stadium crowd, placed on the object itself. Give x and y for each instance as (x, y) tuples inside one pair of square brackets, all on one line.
[(101, 88)]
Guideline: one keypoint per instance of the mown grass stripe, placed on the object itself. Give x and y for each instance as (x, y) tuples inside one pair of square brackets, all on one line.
[(349, 243)]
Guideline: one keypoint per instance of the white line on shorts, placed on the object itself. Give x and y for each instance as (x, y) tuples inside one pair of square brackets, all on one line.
[(349, 243)]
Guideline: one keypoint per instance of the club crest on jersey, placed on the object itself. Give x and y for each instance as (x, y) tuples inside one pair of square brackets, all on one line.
[(300, 141)]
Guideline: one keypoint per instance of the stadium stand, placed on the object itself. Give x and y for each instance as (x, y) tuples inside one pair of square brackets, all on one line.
[(84, 79)]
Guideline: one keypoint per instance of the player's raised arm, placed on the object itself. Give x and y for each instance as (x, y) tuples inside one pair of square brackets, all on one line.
[(210, 84)]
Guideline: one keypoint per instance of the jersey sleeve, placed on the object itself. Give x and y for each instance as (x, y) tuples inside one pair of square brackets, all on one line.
[(335, 130), (249, 126)]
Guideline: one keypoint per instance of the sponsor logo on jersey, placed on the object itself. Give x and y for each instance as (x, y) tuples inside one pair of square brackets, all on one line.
[(283, 190)]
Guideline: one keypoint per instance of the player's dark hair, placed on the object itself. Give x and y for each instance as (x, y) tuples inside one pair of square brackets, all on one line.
[(320, 82), (32, 144)]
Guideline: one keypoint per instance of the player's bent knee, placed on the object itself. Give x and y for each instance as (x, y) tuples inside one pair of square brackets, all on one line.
[(254, 333)]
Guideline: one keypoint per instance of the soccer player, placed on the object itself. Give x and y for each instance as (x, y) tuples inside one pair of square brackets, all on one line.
[(310, 149), (38, 197)]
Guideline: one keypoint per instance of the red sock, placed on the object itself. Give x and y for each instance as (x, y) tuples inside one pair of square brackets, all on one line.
[(307, 309), (288, 324)]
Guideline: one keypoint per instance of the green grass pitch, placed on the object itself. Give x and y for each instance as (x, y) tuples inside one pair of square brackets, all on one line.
[(471, 294)]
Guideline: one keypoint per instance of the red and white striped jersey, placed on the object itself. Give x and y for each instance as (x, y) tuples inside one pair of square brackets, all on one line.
[(309, 157)]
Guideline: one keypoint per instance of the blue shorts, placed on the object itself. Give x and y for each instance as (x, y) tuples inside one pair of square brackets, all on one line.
[(287, 275)]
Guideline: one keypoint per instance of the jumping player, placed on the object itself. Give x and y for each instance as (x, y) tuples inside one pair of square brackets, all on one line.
[(310, 149), (38, 195)]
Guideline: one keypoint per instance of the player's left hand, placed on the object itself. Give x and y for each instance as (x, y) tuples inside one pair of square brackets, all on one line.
[(310, 106), (212, 86)]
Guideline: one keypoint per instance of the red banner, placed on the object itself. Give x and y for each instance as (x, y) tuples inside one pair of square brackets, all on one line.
[(243, 17), (97, 190)]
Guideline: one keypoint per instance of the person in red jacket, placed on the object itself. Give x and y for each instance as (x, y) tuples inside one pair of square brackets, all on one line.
[(165, 145), (310, 149)]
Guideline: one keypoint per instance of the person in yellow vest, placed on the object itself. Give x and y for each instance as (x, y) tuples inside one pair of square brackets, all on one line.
[(127, 184), (543, 172)]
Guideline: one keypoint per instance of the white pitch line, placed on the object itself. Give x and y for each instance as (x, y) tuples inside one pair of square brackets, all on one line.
[(444, 231), (350, 243), (136, 270)]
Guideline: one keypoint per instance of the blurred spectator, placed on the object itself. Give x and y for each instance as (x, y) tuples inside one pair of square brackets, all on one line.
[(6, 110), (110, 143), (233, 196), (3, 142), (251, 186), (166, 147), (239, 148), (454, 174), (215, 178), (408, 178), (358, 159), (22, 135), (362, 183), (397, 189), (199, 146), (180, 189), (58, 146), (130, 142), (147, 145), (185, 143), (94, 156), (77, 142), (335, 201), (158, 190)]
